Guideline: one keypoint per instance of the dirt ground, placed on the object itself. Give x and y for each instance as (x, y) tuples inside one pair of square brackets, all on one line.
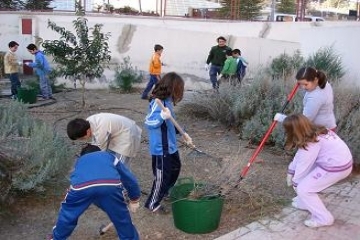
[(262, 192)]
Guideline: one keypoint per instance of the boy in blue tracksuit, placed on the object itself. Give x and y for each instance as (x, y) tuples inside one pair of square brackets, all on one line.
[(99, 178), (166, 163), (42, 69)]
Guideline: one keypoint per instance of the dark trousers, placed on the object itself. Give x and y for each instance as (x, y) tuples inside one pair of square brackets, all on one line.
[(213, 73), (152, 81), (15, 83), (107, 198), (166, 169)]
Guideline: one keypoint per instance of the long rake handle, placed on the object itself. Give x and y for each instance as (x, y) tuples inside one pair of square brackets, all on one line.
[(176, 124), (267, 134), (178, 127)]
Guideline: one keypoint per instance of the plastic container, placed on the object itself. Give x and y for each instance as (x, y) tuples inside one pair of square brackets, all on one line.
[(195, 216), (27, 95)]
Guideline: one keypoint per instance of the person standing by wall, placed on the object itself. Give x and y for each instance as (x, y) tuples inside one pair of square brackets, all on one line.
[(322, 159), (42, 69), (11, 68), (154, 70), (115, 133), (166, 163), (215, 60), (318, 102)]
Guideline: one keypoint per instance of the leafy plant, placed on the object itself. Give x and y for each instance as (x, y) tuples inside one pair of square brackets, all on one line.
[(327, 60), (284, 66), (126, 75), (82, 56)]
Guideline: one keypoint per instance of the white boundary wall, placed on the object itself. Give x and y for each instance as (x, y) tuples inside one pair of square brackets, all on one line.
[(187, 42)]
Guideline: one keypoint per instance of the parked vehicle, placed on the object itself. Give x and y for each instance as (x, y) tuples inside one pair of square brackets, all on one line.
[(284, 17)]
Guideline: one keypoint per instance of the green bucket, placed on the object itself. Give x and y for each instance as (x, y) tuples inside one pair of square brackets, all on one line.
[(195, 215), (26, 95)]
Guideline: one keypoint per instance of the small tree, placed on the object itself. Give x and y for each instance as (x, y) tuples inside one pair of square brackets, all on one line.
[(82, 56)]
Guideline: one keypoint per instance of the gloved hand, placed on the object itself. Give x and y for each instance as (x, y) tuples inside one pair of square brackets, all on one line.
[(279, 117), (206, 67), (165, 114), (187, 139), (219, 77), (289, 178), (134, 206), (20, 63)]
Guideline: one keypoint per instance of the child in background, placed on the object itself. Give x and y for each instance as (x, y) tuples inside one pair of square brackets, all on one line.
[(166, 163), (241, 64), (42, 69), (229, 69), (322, 159), (114, 133), (99, 178), (11, 68), (154, 70)]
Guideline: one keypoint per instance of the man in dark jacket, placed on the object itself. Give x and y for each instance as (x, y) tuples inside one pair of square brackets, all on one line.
[(216, 59)]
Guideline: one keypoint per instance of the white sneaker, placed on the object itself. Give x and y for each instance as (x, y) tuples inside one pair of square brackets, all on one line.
[(313, 224)]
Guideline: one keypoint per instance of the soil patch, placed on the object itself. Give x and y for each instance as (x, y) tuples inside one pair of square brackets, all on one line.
[(262, 192)]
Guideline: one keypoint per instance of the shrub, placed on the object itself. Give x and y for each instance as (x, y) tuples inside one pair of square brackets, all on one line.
[(125, 76), (31, 152), (284, 66), (327, 60)]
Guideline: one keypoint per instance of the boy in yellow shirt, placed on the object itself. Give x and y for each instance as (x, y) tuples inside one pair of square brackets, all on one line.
[(11, 67)]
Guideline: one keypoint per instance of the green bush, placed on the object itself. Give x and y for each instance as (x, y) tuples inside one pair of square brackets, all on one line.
[(31, 152), (285, 65), (327, 60), (125, 76)]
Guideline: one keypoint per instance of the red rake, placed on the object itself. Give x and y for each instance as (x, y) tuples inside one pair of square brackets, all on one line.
[(266, 136)]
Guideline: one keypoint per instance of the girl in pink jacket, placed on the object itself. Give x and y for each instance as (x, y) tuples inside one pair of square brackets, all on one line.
[(322, 159)]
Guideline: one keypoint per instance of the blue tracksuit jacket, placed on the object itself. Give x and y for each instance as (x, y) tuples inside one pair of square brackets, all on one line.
[(153, 123)]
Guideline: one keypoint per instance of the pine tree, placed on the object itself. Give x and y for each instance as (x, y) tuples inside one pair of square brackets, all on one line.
[(248, 9), (286, 6), (37, 5), (11, 4)]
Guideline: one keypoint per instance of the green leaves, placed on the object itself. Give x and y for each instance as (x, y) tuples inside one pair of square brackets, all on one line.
[(82, 55)]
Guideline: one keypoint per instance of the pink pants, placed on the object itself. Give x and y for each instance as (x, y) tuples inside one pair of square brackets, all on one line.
[(307, 198)]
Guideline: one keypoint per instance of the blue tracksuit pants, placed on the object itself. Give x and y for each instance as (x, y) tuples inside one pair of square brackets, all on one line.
[(166, 169), (107, 198)]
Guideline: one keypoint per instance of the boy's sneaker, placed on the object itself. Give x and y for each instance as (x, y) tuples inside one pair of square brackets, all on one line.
[(161, 210), (13, 97)]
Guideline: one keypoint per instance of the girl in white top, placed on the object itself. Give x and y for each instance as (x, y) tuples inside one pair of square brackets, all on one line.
[(318, 100), (322, 159)]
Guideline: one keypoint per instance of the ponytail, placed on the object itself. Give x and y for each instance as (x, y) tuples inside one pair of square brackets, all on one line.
[(321, 79)]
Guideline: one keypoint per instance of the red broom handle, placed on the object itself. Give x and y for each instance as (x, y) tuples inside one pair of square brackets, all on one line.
[(267, 134)]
